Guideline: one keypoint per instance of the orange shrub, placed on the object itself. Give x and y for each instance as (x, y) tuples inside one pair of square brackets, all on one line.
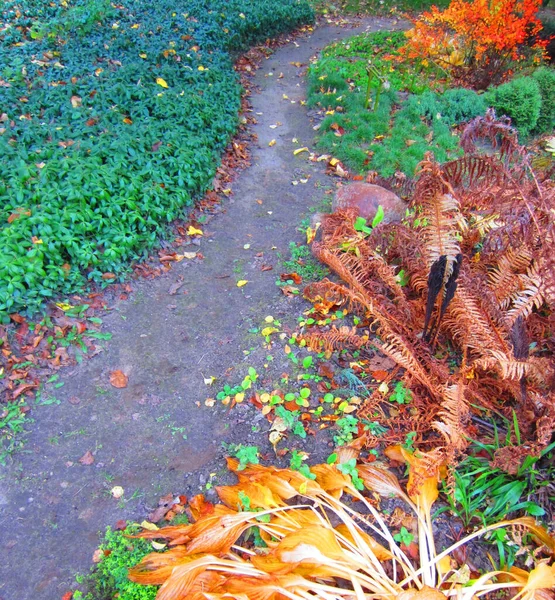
[(477, 41)]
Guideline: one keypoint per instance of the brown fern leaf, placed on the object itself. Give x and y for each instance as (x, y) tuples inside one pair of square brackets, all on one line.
[(333, 339), (532, 295), (498, 132), (403, 352), (454, 415), (508, 368), (473, 320), (440, 212), (504, 279)]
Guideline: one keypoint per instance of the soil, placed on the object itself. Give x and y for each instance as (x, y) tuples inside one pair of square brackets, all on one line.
[(157, 435)]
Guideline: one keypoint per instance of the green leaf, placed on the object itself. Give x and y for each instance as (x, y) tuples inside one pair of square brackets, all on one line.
[(378, 218)]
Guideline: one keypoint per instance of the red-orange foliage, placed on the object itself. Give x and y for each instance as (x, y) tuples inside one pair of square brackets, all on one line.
[(476, 41)]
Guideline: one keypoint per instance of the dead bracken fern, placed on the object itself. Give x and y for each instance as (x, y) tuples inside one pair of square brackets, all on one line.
[(320, 547), (479, 254)]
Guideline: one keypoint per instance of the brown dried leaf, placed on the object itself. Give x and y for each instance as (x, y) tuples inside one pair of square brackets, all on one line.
[(87, 458)]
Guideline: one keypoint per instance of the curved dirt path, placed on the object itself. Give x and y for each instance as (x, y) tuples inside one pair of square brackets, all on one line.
[(52, 506)]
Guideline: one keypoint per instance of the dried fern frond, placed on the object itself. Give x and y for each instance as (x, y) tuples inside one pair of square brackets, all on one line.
[(454, 415)]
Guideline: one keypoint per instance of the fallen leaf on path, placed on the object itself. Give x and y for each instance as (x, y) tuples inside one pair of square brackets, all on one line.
[(98, 555), (299, 150), (242, 282), (209, 380), (117, 491), (210, 402), (149, 526), (295, 277), (272, 143), (290, 290), (118, 379), (194, 231), (67, 596), (87, 458), (266, 268), (190, 255)]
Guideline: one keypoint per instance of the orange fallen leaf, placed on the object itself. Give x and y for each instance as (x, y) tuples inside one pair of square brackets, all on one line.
[(118, 379), (87, 458)]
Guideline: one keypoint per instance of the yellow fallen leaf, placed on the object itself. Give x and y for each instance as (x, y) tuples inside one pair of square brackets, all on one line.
[(242, 282), (161, 82), (63, 306), (239, 397), (299, 150), (242, 16), (275, 437), (194, 231), (279, 425), (265, 397), (268, 331), (209, 402), (158, 545), (209, 380), (246, 246), (142, 54), (287, 349), (269, 319), (150, 526), (75, 101), (267, 409), (384, 388), (189, 255), (201, 68), (334, 161), (311, 233), (272, 143), (285, 97)]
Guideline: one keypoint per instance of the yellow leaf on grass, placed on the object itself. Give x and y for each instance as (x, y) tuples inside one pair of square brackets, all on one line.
[(242, 282), (142, 54), (161, 82), (75, 101), (201, 68), (194, 231), (299, 150)]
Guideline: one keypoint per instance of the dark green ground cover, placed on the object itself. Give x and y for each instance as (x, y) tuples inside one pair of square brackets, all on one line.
[(97, 157)]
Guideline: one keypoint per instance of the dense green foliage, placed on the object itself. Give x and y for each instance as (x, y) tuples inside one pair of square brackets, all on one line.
[(394, 136), (519, 99), (109, 579), (546, 80), (114, 117), (410, 118)]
